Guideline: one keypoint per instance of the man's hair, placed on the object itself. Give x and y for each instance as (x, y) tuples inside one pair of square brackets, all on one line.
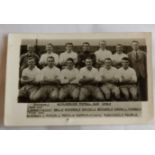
[(30, 58), (125, 58), (119, 45), (86, 43), (68, 44), (70, 59), (107, 59), (88, 58), (50, 57), (135, 41), (50, 44), (102, 41), (30, 47)]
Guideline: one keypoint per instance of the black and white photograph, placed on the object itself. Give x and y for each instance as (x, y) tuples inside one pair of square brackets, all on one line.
[(82, 70), (78, 79)]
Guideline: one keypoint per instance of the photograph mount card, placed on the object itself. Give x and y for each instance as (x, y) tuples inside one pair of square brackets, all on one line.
[(78, 79)]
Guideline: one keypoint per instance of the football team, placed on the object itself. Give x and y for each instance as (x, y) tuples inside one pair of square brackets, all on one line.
[(84, 76)]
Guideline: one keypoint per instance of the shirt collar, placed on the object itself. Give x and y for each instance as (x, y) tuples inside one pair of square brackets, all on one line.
[(109, 68), (119, 53), (126, 69), (136, 51), (88, 69), (102, 50), (71, 69), (68, 53), (50, 53), (50, 68), (32, 69)]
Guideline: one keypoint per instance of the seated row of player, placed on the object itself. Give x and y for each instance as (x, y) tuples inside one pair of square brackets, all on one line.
[(98, 57), (51, 84)]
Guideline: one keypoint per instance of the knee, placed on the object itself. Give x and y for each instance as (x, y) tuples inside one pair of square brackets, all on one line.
[(107, 94), (117, 94), (100, 96), (75, 95), (53, 96), (22, 94), (61, 95), (126, 94), (135, 98), (35, 97), (134, 95), (82, 96), (22, 97)]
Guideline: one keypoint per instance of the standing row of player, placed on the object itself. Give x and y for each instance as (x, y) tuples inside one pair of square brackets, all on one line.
[(98, 57)]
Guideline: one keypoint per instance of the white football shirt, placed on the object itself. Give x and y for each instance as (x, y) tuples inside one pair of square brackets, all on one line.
[(67, 75), (93, 73), (64, 56), (101, 55), (43, 58), (108, 73), (117, 58), (50, 73), (127, 74), (33, 74)]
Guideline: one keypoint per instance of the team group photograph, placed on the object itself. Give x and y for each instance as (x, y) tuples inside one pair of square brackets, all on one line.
[(83, 73)]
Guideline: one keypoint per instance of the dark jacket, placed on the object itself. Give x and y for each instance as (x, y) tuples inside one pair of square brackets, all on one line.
[(25, 57), (138, 62), (83, 56)]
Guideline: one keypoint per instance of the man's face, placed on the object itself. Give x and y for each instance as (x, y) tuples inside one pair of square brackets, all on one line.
[(69, 64), (108, 64), (69, 47), (50, 62), (119, 49), (31, 63), (49, 48), (88, 63), (30, 50), (85, 47), (102, 45), (135, 46), (125, 64)]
